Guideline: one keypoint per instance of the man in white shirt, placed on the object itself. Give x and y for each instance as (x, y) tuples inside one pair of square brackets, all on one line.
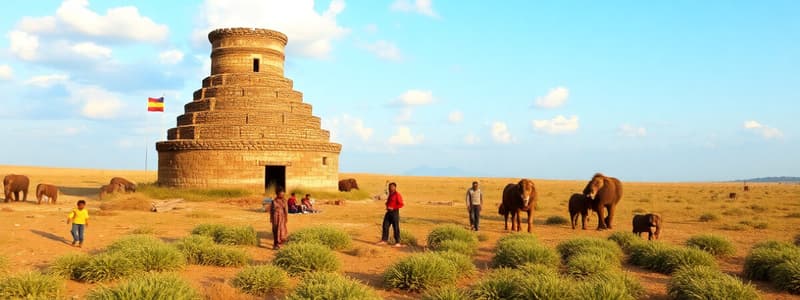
[(474, 202)]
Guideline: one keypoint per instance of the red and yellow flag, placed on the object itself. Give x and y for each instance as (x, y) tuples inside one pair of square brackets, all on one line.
[(155, 104)]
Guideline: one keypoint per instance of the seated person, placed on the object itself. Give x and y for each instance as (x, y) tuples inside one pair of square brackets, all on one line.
[(308, 206), (294, 208)]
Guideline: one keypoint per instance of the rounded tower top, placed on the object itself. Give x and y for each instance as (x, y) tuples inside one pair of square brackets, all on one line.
[(247, 50)]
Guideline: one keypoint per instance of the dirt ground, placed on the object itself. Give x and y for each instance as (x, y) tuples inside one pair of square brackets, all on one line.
[(36, 234)]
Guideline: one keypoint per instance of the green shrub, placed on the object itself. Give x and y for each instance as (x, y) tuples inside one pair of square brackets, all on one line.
[(457, 246), (624, 239), (501, 283), (419, 272), (461, 262), (201, 250), (440, 234), (69, 266), (107, 267), (154, 191), (786, 276), (149, 286), (228, 235), (666, 259), (331, 286), (144, 230), (536, 270), (527, 237), (147, 253), (261, 280), (446, 293), (599, 248), (708, 217), (758, 264), (546, 287), (556, 220), (600, 290), (701, 282), (514, 252), (619, 279), (586, 264), (406, 238), (331, 237), (304, 257), (32, 285), (716, 245)]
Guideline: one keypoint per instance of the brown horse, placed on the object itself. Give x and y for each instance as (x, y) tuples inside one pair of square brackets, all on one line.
[(518, 198)]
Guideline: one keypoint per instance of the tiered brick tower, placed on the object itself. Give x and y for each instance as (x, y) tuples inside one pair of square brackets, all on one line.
[(246, 127)]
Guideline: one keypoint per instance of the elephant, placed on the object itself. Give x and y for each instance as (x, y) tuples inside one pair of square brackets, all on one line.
[(47, 191), (518, 198), (645, 223), (109, 189), (130, 187), (14, 184), (605, 193), (579, 204), (346, 185)]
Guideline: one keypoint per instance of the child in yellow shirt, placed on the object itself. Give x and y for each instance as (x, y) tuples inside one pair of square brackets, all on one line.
[(79, 218)]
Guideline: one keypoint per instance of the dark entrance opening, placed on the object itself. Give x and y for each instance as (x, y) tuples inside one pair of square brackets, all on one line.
[(275, 178), (256, 64)]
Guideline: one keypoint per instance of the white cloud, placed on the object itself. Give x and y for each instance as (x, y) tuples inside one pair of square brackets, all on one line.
[(632, 131), (170, 57), (23, 44), (501, 134), (556, 97), (471, 139), (405, 137), (455, 117), (118, 23), (91, 50), (95, 102), (347, 125), (6, 72), (423, 7), (557, 125), (763, 130), (404, 115), (44, 81), (371, 28), (384, 50), (415, 98), (310, 33)]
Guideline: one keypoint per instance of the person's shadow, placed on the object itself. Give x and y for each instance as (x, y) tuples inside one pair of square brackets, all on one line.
[(49, 236)]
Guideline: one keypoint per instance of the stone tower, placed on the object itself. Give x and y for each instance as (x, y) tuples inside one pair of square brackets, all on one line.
[(246, 127)]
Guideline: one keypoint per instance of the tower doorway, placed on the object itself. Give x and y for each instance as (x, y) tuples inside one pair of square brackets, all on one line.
[(274, 178)]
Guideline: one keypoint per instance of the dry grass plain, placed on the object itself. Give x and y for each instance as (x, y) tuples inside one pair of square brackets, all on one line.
[(36, 234)]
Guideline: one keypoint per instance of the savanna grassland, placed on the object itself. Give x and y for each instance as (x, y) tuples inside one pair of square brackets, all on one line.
[(35, 235)]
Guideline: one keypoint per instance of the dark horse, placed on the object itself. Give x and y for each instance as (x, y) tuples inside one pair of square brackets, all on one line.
[(518, 198)]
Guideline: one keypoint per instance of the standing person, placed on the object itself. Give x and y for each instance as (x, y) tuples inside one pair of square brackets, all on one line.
[(278, 215), (394, 203), (79, 217), (474, 202)]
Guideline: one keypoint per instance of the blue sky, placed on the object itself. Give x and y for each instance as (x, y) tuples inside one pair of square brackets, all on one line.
[(642, 90)]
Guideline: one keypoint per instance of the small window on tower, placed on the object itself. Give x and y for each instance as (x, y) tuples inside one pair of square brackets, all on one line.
[(256, 64), (324, 160)]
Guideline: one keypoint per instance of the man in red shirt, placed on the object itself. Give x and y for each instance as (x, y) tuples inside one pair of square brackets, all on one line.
[(394, 203), (293, 207)]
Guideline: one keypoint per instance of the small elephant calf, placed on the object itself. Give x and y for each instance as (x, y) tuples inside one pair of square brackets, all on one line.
[(48, 192), (579, 204), (645, 223)]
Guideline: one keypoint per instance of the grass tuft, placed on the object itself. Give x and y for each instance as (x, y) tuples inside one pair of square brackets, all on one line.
[(301, 258), (586, 264), (149, 286), (32, 285), (516, 250), (147, 253), (332, 237), (406, 238), (354, 195), (446, 293), (69, 266), (624, 239), (460, 261), (666, 259), (765, 256), (107, 267), (556, 220), (228, 235), (193, 195), (701, 282), (599, 248), (442, 237), (331, 286), (708, 217), (261, 280), (716, 245), (419, 272), (786, 276), (201, 250)]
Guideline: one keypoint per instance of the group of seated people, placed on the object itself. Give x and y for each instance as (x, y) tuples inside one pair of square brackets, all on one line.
[(304, 207)]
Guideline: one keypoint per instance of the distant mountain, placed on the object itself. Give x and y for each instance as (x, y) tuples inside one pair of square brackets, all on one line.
[(772, 179), (439, 172)]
